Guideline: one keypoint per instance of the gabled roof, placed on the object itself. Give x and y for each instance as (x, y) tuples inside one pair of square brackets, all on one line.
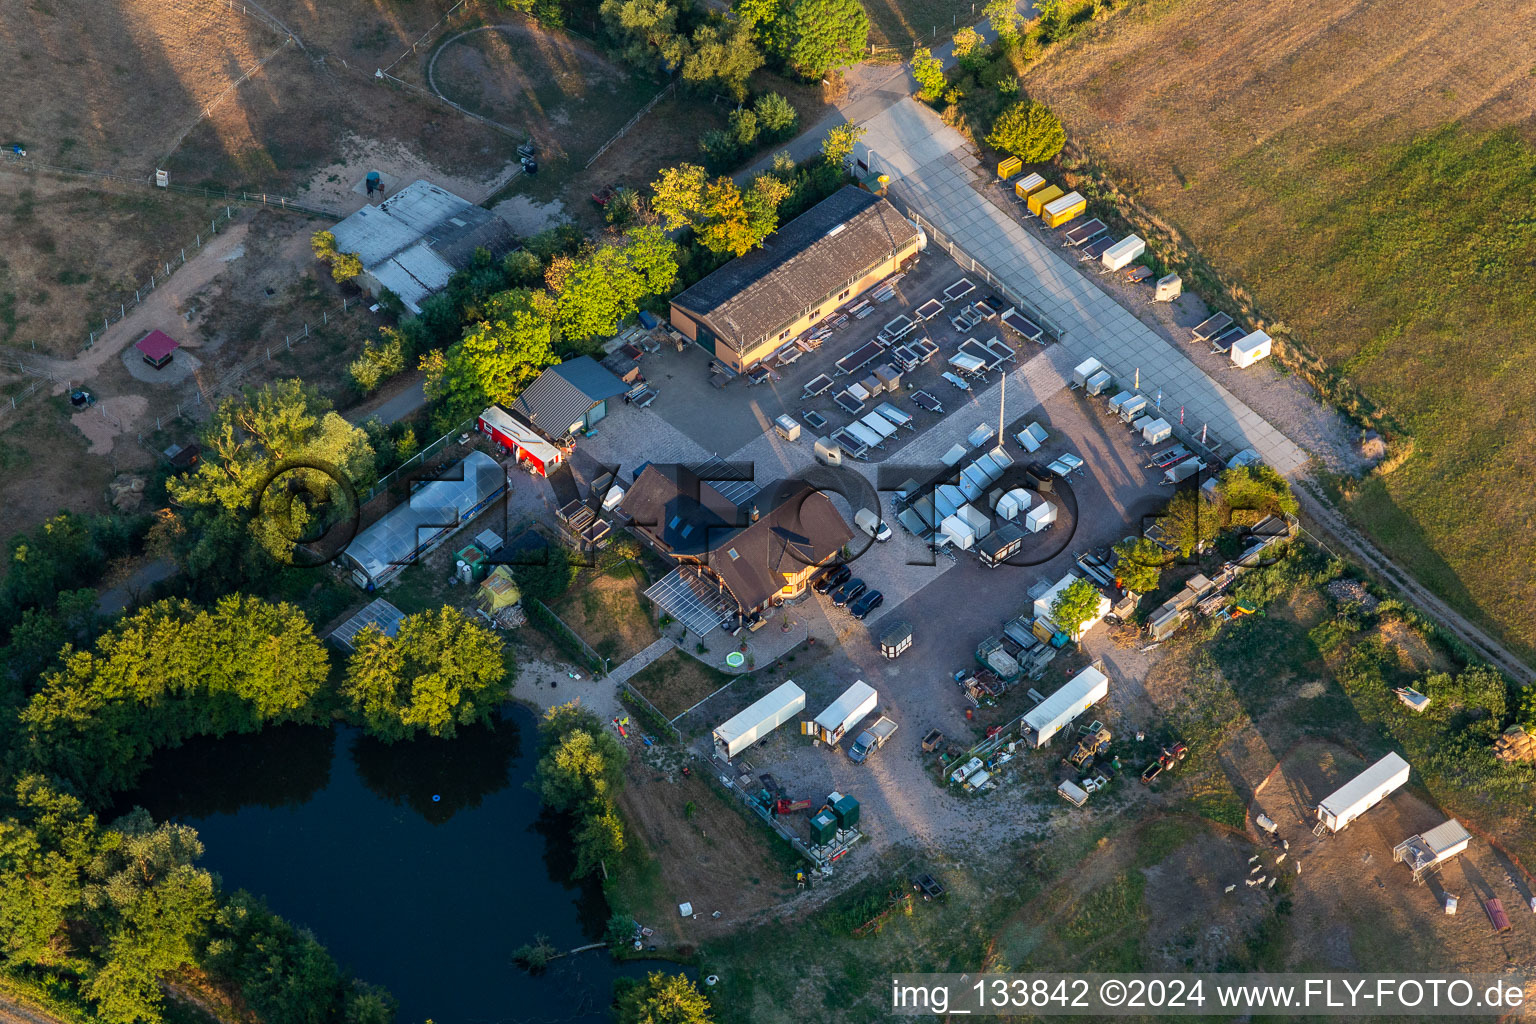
[(801, 264), (802, 528), (562, 394), (685, 515)]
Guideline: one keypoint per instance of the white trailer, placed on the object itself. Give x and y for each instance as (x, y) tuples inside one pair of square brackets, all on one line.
[(897, 416), (879, 424), (757, 721), (1425, 853), (1122, 252), (1099, 383), (1058, 710), (1131, 408), (1363, 792), (864, 435), (1250, 348), (1156, 432), (1183, 471), (1039, 517), (1084, 370), (1014, 504), (843, 714)]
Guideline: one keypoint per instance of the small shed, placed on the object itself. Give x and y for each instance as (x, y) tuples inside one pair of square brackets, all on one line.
[(499, 591), (1425, 853), (157, 347), (895, 638)]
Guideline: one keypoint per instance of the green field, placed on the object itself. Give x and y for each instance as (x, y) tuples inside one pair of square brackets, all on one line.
[(1374, 209)]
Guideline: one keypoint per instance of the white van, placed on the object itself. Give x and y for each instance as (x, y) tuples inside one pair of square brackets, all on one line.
[(870, 523)]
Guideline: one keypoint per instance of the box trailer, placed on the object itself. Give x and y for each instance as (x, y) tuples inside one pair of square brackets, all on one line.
[(1058, 211), (1099, 383), (1000, 545), (1037, 200), (1123, 252), (1168, 288), (1058, 710), (1156, 432), (1082, 371), (1009, 167), (1132, 408), (843, 714), (1039, 517), (1014, 504), (787, 427), (1363, 792), (1119, 400), (1028, 185), (757, 721), (1250, 348), (1183, 471)]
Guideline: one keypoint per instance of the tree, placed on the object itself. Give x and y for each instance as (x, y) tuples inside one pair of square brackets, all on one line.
[(777, 118), (966, 42), (378, 363), (1029, 131), (585, 765), (743, 127), (662, 999), (928, 71), (839, 142), (506, 355), (723, 53), (679, 195), (1139, 564), (647, 30), (1004, 17), (441, 671), (1258, 489), (344, 265), (1190, 522), (1076, 605), (824, 35), (595, 292), (271, 431), (724, 219)]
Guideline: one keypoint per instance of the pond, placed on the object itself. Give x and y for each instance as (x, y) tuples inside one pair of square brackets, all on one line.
[(421, 866)]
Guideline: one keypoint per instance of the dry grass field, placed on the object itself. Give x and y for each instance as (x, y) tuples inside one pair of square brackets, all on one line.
[(1363, 171)]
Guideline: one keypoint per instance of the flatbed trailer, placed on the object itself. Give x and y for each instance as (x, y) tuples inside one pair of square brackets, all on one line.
[(860, 357), (972, 347), (1210, 327), (1022, 325), (1222, 343), (1098, 247), (846, 401), (1084, 233), (959, 290), (1169, 456), (847, 442), (929, 309), (816, 385), (923, 400)]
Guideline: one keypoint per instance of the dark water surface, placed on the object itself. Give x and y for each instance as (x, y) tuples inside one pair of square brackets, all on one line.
[(429, 897)]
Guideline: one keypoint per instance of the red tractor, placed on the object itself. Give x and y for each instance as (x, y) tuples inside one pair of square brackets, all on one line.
[(1167, 760)]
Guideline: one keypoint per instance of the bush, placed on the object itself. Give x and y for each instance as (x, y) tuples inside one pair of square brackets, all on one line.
[(378, 363), (777, 118), (743, 127), (1028, 130)]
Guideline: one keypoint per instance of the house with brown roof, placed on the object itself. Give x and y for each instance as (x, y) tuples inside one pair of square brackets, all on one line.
[(825, 258), (738, 550)]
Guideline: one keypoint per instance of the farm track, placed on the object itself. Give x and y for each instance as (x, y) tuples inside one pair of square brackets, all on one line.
[(15, 1013), (1330, 521)]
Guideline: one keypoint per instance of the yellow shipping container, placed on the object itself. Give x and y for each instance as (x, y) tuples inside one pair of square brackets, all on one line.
[(1038, 200), (1064, 209), (1028, 184), (1008, 168)]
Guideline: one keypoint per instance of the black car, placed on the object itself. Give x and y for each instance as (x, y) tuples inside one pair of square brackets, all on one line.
[(868, 602), (833, 577), (847, 592)]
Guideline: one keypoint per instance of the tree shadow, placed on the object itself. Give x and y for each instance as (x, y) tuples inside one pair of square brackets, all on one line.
[(437, 778)]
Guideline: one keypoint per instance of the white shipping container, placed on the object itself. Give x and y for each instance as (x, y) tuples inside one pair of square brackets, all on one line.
[(846, 712), (1058, 710), (1123, 252), (1250, 348), (1363, 792), (757, 721)]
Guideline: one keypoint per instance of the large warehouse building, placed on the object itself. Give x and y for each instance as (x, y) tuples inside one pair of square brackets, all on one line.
[(824, 258)]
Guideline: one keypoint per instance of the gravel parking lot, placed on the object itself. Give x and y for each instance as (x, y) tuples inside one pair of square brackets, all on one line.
[(953, 606)]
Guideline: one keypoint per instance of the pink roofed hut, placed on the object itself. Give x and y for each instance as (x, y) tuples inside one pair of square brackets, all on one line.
[(157, 347)]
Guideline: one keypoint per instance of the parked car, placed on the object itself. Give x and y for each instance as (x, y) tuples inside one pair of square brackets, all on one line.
[(847, 592), (833, 577), (866, 603)]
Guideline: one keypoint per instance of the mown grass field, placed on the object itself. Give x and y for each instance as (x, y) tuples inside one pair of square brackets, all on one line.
[(1366, 183)]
